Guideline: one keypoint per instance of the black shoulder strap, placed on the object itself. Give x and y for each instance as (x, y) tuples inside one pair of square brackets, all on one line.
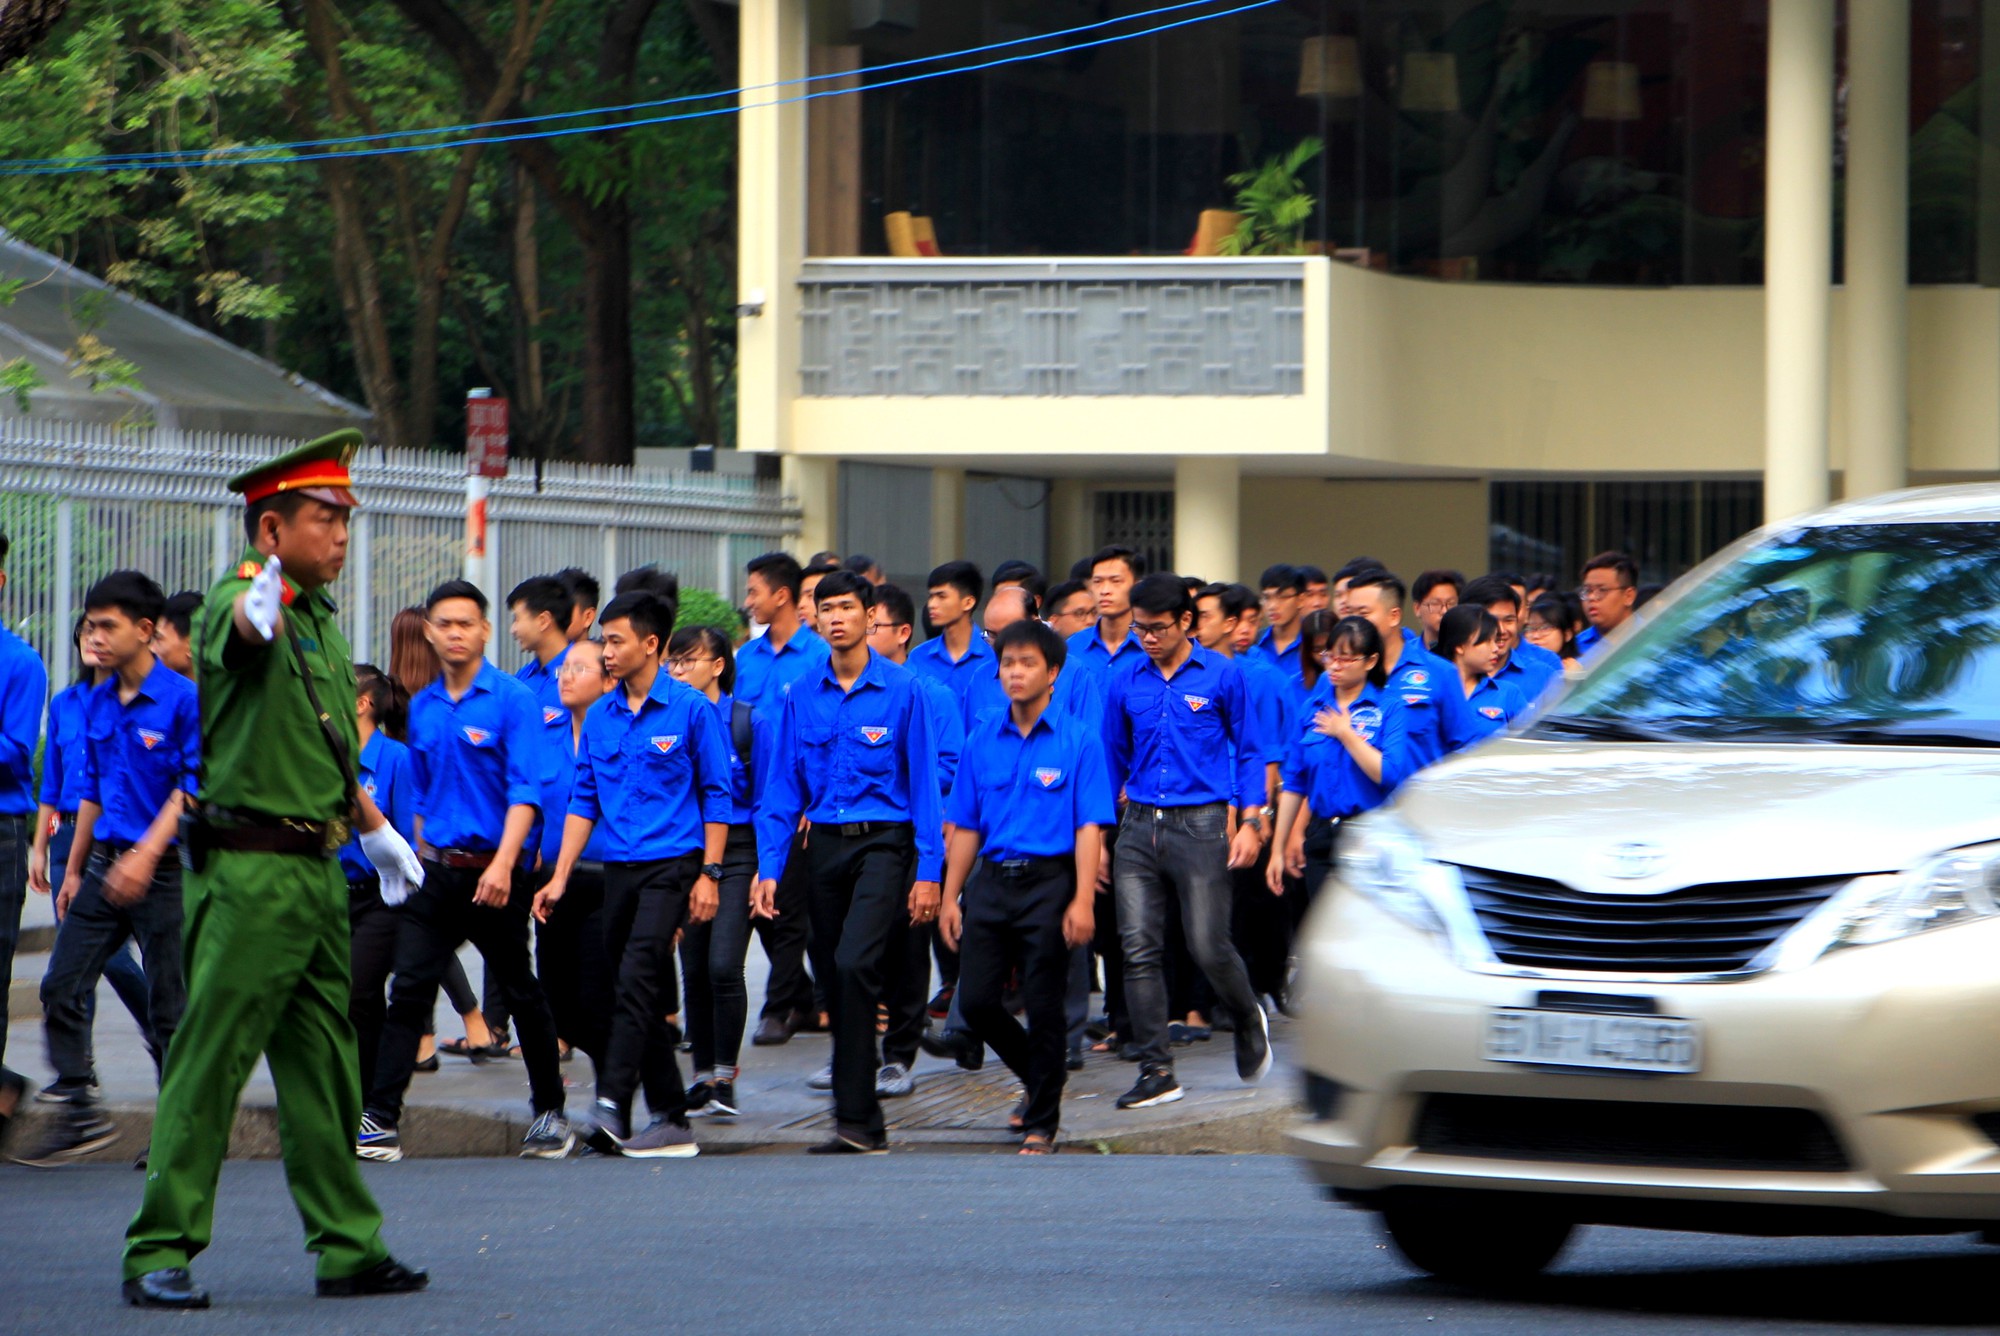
[(336, 743), (743, 735)]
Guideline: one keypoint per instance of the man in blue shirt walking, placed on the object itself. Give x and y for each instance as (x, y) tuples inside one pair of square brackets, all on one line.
[(653, 767), (476, 738), (1181, 743), (766, 668), (1610, 594), (142, 753), (1032, 798), (1423, 687), (856, 756), (957, 655), (24, 686), (1529, 669), (540, 611)]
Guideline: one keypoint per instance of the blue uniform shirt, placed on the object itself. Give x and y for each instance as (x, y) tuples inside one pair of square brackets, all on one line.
[(24, 686), (1285, 661), (947, 730), (851, 756), (653, 776), (932, 660), (1493, 705), (747, 773), (1529, 670), (1588, 639), (1091, 665), (764, 673), (558, 778), (475, 757), (62, 751), (384, 774), (541, 679), (1322, 769), (135, 755), (1273, 701), (1436, 720), (1185, 742), (1028, 796), (1074, 696)]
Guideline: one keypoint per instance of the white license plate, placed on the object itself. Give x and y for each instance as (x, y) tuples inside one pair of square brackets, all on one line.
[(1586, 1039)]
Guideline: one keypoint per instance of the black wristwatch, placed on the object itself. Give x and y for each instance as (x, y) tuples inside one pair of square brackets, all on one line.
[(713, 871)]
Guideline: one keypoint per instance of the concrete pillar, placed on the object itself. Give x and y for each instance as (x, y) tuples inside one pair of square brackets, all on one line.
[(1878, 246), (1071, 534), (815, 481), (947, 515), (1207, 496), (1798, 257), (771, 220)]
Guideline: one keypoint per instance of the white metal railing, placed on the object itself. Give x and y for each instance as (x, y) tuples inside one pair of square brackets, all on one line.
[(80, 499)]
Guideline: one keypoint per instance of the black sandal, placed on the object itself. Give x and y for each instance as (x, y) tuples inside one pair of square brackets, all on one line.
[(1038, 1143)]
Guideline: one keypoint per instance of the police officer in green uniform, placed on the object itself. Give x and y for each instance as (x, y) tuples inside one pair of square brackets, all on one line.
[(266, 952)]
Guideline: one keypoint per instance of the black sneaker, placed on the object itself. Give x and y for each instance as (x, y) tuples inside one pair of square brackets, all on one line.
[(849, 1143), (550, 1138), (607, 1130), (60, 1091), (1074, 1061), (1253, 1048), (722, 1099), (387, 1276), (1156, 1086), (699, 1094), (83, 1130)]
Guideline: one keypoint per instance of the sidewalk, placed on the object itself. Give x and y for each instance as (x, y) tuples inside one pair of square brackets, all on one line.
[(476, 1110)]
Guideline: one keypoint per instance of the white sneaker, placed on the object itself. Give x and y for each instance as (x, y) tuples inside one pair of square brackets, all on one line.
[(894, 1080), (822, 1079)]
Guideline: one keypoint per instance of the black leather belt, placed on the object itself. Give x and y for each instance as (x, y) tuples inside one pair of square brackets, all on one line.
[(855, 830), (471, 860), (1019, 869)]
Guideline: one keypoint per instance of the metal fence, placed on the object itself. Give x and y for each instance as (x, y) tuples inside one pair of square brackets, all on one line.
[(79, 500)]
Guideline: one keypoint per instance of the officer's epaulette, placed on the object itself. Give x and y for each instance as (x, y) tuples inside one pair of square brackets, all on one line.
[(248, 570)]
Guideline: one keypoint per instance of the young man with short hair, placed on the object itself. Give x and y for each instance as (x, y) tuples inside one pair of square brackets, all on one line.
[(1069, 609), (653, 766), (1284, 588), (1610, 594), (1424, 688), (957, 655), (1031, 802), (1096, 649), (1025, 574), (1527, 668), (476, 737), (1182, 745), (766, 669), (24, 687), (141, 758), (855, 755), (1435, 593), (171, 643), (809, 580), (1344, 578), (866, 567), (1317, 598), (541, 611), (583, 594)]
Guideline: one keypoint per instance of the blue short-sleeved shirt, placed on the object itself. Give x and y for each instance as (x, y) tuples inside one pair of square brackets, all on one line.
[(24, 686), (1322, 769), (62, 750), (475, 757), (1028, 796), (932, 660), (764, 672), (652, 777), (1184, 742), (1425, 690), (1072, 696), (137, 753), (1493, 705), (383, 770), (848, 756), (541, 678)]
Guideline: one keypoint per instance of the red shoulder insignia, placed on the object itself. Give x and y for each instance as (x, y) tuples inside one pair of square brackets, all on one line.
[(286, 594), (248, 570)]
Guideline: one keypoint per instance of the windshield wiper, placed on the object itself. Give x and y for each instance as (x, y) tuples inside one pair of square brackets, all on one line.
[(1866, 734), (1594, 726)]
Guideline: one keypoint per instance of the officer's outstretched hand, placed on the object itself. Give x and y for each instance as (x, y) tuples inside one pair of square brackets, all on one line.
[(395, 862), (264, 600)]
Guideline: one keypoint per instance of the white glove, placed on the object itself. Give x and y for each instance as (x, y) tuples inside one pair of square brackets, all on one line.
[(396, 863), (265, 598)]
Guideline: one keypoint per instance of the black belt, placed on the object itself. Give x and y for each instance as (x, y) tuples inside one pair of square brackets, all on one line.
[(1020, 869), (1160, 812), (472, 860), (855, 830), (237, 831)]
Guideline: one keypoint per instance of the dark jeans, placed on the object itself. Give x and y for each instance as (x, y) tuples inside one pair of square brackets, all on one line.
[(92, 931), (122, 971), (1321, 847), (1178, 855), (571, 959), (645, 904), (15, 838), (371, 955), (1014, 917), (436, 920), (860, 892), (718, 1004), (789, 988)]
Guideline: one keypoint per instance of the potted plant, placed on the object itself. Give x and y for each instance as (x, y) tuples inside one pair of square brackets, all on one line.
[(1273, 203)]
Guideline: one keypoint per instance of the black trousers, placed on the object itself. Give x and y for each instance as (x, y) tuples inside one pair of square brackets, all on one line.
[(1321, 847), (907, 988), (575, 970), (371, 956), (1261, 925), (789, 988), (1014, 918), (435, 921), (645, 905), (1110, 949), (860, 893), (718, 1004)]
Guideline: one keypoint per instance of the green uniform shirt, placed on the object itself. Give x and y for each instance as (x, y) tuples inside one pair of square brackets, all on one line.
[(262, 745)]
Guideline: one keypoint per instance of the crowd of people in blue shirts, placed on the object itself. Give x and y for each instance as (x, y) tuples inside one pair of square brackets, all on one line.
[(1123, 786)]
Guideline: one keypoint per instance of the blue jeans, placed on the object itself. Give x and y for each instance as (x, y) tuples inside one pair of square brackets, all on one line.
[(122, 971), (93, 931), (1176, 854)]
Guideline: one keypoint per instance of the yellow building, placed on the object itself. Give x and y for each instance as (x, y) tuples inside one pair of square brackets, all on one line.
[(1528, 317)]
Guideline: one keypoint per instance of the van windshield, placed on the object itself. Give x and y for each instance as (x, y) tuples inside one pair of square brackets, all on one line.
[(1860, 634)]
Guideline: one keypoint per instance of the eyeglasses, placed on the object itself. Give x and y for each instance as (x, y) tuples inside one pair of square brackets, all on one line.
[(580, 668), (686, 661), (1437, 605), (1592, 593), (1154, 630), (873, 627), (1332, 660), (1540, 629)]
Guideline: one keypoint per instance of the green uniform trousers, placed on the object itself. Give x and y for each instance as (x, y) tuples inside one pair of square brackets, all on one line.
[(267, 976)]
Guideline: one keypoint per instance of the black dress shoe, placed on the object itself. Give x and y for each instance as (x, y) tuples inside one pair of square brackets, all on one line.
[(387, 1276), (773, 1030), (964, 1049), (171, 1288)]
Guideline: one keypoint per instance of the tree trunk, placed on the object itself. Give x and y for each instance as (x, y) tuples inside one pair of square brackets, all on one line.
[(361, 303), (608, 436)]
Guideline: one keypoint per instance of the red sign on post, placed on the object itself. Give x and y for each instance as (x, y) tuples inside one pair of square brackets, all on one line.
[(486, 438)]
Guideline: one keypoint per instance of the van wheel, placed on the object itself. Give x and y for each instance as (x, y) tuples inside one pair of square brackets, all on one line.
[(1471, 1244)]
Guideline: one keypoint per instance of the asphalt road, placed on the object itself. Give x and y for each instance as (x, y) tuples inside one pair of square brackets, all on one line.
[(930, 1244)]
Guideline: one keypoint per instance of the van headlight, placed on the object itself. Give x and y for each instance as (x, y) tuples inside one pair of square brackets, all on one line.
[(1957, 886), (1382, 858)]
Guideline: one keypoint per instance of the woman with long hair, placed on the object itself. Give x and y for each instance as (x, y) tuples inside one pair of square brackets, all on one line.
[(412, 662), (1469, 640)]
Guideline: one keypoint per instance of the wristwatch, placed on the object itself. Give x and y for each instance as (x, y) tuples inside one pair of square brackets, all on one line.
[(713, 871), (1254, 820)]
